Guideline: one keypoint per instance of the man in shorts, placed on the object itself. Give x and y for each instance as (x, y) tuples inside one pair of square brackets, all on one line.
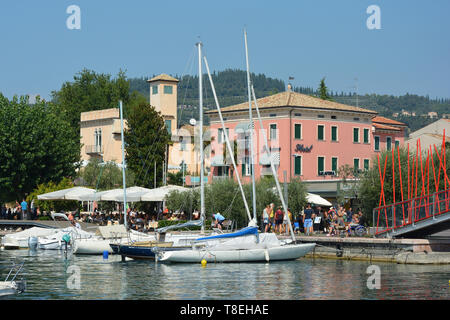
[(308, 219), (219, 219)]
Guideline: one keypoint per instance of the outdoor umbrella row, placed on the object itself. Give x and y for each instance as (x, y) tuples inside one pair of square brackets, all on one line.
[(133, 194)]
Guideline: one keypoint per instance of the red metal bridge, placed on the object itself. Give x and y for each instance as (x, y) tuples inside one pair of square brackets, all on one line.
[(416, 217)]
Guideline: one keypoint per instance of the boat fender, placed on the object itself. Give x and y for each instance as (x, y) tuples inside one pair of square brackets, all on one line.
[(266, 254)]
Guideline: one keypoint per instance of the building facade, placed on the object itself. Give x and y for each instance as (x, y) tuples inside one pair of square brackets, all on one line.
[(100, 133), (309, 138)]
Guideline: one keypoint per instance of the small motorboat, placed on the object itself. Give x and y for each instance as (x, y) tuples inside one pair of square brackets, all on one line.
[(12, 286)]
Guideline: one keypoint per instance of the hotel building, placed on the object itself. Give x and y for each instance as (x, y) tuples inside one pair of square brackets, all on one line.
[(308, 137)]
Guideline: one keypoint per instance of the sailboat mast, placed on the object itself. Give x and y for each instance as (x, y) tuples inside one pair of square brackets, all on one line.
[(272, 166), (200, 91), (227, 140), (123, 168), (252, 163)]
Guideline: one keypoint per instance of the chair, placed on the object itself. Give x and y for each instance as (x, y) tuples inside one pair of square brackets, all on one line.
[(228, 224)]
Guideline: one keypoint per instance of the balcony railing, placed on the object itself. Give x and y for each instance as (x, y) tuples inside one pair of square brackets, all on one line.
[(94, 149)]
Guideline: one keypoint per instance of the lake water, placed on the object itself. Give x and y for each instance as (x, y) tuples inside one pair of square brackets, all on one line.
[(50, 275)]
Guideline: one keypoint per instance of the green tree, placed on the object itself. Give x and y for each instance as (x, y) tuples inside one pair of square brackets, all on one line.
[(323, 90), (146, 140), (52, 205), (105, 176), (36, 147), (91, 91)]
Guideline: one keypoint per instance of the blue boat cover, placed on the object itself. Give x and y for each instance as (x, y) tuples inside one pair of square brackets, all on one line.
[(243, 232)]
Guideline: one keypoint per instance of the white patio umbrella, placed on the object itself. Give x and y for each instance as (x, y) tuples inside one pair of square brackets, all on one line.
[(160, 193), (318, 200), (75, 193), (117, 194)]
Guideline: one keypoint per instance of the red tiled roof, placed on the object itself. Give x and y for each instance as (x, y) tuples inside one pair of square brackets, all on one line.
[(385, 127), (294, 99), (383, 120)]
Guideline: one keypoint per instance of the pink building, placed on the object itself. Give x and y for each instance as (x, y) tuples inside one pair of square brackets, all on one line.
[(309, 138)]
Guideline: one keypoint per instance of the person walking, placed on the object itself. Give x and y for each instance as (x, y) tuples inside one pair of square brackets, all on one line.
[(266, 218), (308, 219), (24, 206)]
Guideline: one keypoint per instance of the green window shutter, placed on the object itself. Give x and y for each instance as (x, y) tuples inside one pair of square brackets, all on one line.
[(355, 135), (334, 164), (298, 131), (366, 164), (243, 169), (298, 166), (320, 164), (366, 135), (154, 89), (333, 133), (397, 144), (377, 143), (320, 132), (388, 143), (356, 164)]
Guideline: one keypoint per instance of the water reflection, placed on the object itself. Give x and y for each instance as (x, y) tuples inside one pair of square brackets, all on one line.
[(47, 275)]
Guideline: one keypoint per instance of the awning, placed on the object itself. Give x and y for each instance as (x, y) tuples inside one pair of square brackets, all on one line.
[(75, 193), (318, 200)]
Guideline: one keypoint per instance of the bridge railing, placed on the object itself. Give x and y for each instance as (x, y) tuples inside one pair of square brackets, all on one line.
[(400, 214)]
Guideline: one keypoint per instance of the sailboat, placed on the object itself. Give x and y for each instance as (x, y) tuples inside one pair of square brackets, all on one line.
[(171, 242), (245, 245)]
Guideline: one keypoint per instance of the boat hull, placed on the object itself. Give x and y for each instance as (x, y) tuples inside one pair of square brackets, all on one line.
[(92, 247), (280, 253), (142, 252)]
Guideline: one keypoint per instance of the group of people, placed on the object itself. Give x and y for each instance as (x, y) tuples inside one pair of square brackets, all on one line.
[(331, 221), (311, 220), (19, 211), (276, 219)]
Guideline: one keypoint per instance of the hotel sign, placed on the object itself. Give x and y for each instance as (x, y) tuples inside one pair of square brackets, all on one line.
[(302, 148)]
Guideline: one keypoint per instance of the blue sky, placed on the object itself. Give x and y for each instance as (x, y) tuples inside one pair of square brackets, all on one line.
[(304, 39)]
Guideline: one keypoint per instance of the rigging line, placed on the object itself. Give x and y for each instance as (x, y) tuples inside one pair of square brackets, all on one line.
[(191, 65)]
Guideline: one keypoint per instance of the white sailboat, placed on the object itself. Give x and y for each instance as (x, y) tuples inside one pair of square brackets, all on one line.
[(246, 245)]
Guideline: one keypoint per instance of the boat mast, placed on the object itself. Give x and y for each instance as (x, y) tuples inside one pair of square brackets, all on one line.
[(200, 91), (227, 140), (272, 166), (252, 165), (123, 168)]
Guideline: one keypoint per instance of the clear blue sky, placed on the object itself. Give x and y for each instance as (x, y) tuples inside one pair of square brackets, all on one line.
[(304, 39)]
